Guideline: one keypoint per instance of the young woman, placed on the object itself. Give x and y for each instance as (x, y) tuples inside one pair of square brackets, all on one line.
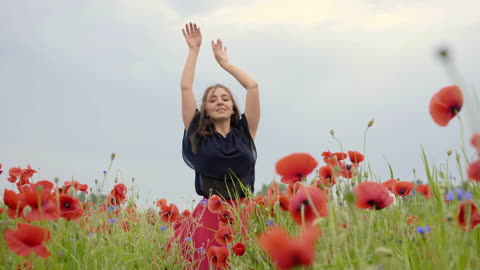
[(218, 143)]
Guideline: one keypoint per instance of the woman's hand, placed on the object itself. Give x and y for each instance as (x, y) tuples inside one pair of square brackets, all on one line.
[(220, 52), (192, 35)]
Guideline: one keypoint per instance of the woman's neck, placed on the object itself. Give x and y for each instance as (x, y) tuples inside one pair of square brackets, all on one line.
[(222, 127)]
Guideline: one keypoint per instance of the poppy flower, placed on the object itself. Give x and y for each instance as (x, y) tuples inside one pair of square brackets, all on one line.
[(295, 167), (218, 256), (348, 170), (14, 173), (70, 208), (119, 192), (27, 239), (169, 213), (446, 104), (310, 202), (1, 168), (286, 252), (326, 176), (475, 141), (389, 184), (473, 171), (372, 195), (14, 202), (239, 249), (332, 159), (402, 188), (424, 190), (412, 220), (161, 202), (465, 208), (355, 157), (43, 205), (284, 202), (215, 204), (76, 185), (225, 218), (186, 213), (224, 235)]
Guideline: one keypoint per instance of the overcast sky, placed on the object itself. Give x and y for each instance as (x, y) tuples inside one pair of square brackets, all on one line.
[(82, 79)]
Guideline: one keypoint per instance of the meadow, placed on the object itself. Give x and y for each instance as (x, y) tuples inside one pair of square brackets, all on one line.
[(327, 212)]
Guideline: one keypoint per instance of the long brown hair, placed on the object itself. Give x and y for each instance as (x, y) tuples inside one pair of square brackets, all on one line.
[(206, 126)]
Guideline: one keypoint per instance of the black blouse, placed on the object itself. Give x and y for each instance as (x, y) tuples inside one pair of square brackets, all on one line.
[(224, 166)]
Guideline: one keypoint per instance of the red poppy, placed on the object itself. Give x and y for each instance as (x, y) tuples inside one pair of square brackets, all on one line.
[(372, 195), (355, 156), (218, 256), (332, 159), (42, 203), (326, 176), (389, 184), (119, 192), (295, 167), (1, 168), (14, 174), (15, 203), (309, 201), (239, 249), (161, 202), (446, 104), (70, 208), (475, 140), (348, 170), (424, 190), (225, 218), (465, 208), (413, 220), (27, 239), (215, 204), (169, 213), (224, 235), (286, 252), (186, 213), (76, 185), (403, 188), (473, 171), (284, 202)]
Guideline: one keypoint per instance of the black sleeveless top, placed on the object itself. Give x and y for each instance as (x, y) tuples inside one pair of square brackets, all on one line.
[(224, 166)]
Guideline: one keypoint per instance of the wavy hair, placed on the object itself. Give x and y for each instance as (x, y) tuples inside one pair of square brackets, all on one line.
[(206, 127)]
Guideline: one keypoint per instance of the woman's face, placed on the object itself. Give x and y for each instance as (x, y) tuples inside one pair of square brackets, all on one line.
[(219, 104)]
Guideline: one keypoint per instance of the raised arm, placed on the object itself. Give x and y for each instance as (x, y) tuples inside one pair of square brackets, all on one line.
[(194, 40), (252, 102)]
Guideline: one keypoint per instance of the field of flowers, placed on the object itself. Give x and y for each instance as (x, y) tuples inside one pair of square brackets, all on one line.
[(328, 212)]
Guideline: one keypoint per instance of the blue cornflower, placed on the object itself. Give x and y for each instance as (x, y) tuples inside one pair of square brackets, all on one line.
[(188, 238), (111, 208), (112, 220), (201, 250), (270, 222), (104, 172), (423, 230), (163, 228), (462, 195), (204, 201), (91, 234)]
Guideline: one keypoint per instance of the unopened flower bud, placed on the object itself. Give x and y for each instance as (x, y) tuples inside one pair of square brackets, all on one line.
[(56, 180), (71, 191), (133, 179), (457, 157), (112, 157), (383, 252), (332, 132), (370, 123), (27, 210), (449, 152)]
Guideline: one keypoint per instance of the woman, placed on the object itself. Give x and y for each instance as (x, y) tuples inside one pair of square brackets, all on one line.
[(218, 143)]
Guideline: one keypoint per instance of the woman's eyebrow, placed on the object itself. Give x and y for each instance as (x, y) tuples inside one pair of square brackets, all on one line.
[(224, 95)]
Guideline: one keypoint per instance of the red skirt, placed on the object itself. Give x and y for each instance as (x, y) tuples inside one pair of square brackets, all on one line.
[(196, 234)]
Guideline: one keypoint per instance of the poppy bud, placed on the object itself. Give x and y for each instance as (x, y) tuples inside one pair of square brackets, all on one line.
[(27, 210), (71, 191), (332, 132), (112, 157), (370, 123), (443, 53), (243, 206), (449, 152), (56, 180), (457, 157), (133, 179), (96, 181), (383, 252), (365, 175)]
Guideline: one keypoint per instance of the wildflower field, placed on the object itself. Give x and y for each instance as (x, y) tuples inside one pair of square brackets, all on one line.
[(327, 212)]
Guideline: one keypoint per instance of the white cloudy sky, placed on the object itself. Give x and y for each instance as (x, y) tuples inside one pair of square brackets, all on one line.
[(82, 79)]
